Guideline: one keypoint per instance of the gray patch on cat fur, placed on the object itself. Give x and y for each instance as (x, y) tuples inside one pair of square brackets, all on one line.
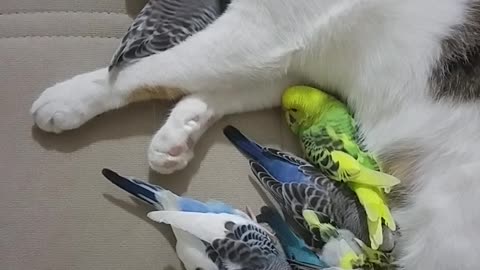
[(457, 74)]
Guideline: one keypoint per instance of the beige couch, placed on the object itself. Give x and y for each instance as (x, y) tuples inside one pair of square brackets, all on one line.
[(57, 211)]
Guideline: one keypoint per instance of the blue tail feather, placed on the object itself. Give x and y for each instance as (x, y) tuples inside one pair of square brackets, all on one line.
[(279, 166), (155, 195), (139, 189), (295, 248), (246, 146)]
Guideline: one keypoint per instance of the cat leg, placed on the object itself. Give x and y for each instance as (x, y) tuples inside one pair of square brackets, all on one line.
[(224, 56), (69, 104), (172, 146)]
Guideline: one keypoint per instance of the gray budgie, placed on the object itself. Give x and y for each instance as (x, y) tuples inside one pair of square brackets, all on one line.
[(163, 24)]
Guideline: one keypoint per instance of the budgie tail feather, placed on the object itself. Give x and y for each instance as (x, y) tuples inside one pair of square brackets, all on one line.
[(144, 191), (249, 148)]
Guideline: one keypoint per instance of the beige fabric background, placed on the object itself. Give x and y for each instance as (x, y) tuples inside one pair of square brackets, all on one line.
[(57, 211)]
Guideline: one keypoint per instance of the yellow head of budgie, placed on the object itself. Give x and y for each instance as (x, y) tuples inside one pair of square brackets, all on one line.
[(303, 104)]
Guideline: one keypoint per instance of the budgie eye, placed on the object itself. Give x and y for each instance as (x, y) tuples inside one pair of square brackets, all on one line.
[(294, 110)]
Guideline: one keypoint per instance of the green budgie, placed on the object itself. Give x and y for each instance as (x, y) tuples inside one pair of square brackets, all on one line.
[(329, 138)]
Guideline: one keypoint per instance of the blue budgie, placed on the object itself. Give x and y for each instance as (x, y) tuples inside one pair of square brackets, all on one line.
[(296, 185), (162, 24), (301, 191), (210, 235), (295, 248)]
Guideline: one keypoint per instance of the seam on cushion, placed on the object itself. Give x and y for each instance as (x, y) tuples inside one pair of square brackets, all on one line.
[(63, 12), (59, 36), (60, 11)]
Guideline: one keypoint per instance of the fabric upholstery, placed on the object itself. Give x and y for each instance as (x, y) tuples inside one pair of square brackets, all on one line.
[(57, 211)]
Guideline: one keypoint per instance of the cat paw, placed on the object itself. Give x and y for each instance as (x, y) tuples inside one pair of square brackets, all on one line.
[(69, 104), (171, 148)]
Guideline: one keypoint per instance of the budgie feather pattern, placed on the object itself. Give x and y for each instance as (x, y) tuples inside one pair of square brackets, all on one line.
[(298, 253), (243, 243), (233, 242), (329, 137), (162, 24), (190, 250), (296, 185)]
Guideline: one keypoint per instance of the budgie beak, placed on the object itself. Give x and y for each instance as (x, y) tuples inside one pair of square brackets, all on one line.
[(291, 121)]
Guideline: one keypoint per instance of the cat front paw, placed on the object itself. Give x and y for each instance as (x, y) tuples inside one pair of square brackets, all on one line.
[(171, 148), (69, 104), (167, 157)]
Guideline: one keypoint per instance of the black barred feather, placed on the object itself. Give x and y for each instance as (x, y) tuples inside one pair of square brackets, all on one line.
[(318, 148), (246, 246), (296, 185), (332, 201), (162, 24), (286, 156)]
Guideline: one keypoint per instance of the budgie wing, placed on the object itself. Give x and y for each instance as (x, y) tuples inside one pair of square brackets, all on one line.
[(339, 156), (286, 156), (163, 24), (293, 198), (318, 145), (246, 245), (205, 226), (232, 242), (331, 135)]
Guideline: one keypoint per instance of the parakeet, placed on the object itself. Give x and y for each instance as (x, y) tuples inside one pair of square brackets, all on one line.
[(296, 185), (162, 24), (343, 249), (190, 249), (330, 140), (295, 248)]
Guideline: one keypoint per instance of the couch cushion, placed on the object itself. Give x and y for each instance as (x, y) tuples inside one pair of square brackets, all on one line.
[(57, 210)]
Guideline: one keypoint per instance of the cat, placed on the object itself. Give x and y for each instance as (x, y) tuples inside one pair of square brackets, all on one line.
[(410, 71)]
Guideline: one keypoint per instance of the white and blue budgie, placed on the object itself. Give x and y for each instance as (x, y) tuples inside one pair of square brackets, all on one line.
[(210, 235), (162, 24), (233, 242)]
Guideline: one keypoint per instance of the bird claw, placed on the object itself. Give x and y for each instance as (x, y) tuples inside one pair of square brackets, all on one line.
[(250, 214), (372, 256)]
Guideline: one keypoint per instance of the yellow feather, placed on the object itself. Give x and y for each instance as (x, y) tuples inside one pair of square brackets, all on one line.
[(347, 260), (311, 218), (347, 164), (357, 173), (308, 98), (377, 212), (388, 218), (376, 234)]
